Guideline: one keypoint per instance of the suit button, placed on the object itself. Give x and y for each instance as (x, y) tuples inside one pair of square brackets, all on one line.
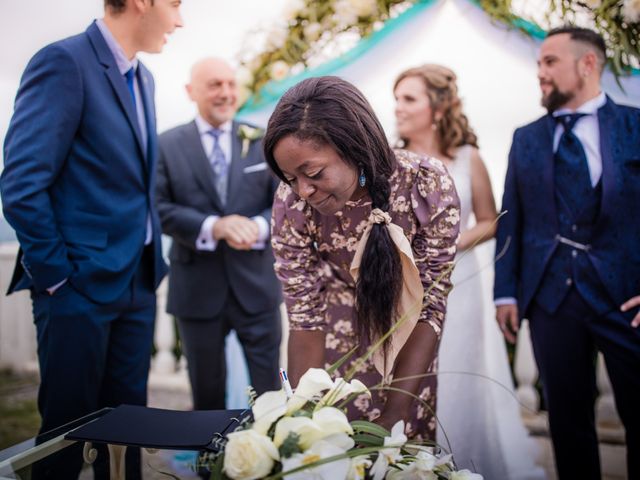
[(574, 228), (569, 282), (574, 253)]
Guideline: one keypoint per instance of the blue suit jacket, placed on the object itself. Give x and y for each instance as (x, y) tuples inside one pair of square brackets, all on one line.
[(77, 185), (528, 229)]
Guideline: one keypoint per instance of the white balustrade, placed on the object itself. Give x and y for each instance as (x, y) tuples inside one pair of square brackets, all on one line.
[(17, 331), (525, 371)]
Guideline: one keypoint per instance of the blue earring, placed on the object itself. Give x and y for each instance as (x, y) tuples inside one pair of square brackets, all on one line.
[(362, 180)]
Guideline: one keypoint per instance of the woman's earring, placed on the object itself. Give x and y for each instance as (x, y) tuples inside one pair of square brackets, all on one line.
[(362, 180)]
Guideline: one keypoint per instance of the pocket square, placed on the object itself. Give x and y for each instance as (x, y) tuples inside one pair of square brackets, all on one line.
[(258, 167)]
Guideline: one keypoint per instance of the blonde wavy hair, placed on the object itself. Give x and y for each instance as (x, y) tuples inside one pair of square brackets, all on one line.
[(452, 129)]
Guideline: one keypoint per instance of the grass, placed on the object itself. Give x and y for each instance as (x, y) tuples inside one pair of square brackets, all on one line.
[(19, 418)]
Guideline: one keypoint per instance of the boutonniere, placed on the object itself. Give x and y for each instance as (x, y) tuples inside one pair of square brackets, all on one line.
[(248, 134)]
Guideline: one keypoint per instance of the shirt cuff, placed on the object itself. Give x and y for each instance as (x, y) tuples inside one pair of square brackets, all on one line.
[(505, 301), (52, 290), (263, 233), (205, 240)]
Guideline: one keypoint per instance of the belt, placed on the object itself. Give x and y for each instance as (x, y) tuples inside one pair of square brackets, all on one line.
[(567, 241)]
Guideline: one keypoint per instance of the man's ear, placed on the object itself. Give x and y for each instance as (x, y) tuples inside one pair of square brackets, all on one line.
[(140, 6), (589, 64)]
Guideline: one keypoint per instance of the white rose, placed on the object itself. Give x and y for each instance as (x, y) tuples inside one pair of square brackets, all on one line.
[(279, 70), (277, 36), (249, 455), (345, 13), (244, 76), (631, 11), (364, 8), (593, 3), (292, 8), (312, 31)]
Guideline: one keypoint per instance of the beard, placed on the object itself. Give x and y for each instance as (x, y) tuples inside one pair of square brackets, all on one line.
[(556, 99)]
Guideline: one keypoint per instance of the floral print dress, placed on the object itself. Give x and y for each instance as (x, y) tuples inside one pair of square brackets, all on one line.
[(314, 252)]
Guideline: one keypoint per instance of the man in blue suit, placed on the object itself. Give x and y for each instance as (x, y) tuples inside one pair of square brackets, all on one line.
[(77, 187), (571, 236)]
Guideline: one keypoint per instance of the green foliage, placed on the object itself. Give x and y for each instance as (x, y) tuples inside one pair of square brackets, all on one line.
[(290, 445), (314, 32)]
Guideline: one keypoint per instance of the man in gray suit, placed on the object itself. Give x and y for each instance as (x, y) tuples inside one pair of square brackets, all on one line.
[(214, 194)]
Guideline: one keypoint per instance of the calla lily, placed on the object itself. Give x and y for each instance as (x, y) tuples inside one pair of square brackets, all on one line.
[(465, 475), (390, 453), (311, 384), (331, 420), (342, 389), (334, 470), (307, 429), (358, 467), (267, 408)]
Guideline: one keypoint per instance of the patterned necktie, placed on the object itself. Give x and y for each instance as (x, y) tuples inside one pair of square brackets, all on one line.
[(129, 75), (218, 164), (572, 177)]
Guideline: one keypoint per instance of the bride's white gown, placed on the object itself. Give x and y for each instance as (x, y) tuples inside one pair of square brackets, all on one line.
[(481, 419)]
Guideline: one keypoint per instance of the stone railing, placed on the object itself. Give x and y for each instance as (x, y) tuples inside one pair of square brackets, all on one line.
[(18, 352)]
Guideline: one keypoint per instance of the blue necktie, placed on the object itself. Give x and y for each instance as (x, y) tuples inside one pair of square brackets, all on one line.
[(572, 178), (218, 164), (129, 75)]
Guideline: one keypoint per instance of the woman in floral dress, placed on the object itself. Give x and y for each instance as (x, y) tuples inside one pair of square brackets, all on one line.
[(344, 191)]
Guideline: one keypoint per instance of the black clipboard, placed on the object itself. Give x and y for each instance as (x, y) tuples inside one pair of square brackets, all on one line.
[(146, 427)]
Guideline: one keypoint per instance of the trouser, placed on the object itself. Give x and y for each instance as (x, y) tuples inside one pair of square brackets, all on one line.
[(565, 346), (92, 356), (203, 341)]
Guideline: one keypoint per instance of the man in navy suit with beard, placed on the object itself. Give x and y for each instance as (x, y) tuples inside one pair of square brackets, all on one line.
[(77, 187), (571, 237)]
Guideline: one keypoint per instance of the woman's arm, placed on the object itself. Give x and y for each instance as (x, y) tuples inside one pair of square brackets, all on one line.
[(305, 351), (412, 361), (484, 205), (297, 266), (437, 210)]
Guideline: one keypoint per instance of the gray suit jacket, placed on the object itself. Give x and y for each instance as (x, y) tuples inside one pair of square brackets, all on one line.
[(200, 281)]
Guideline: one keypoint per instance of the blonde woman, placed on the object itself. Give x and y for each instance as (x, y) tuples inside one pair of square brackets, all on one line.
[(480, 420)]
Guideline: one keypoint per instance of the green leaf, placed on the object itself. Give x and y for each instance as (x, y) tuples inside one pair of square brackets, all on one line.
[(369, 427), (368, 440), (342, 360), (290, 445)]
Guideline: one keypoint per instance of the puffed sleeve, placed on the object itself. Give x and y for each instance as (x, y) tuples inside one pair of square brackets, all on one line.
[(437, 208), (298, 265)]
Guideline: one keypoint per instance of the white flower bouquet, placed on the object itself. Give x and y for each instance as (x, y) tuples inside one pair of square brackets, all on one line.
[(308, 436)]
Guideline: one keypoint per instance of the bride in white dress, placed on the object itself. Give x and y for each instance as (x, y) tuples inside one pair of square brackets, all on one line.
[(476, 407)]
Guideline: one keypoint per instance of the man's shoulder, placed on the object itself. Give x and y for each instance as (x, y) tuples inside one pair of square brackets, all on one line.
[(174, 134)]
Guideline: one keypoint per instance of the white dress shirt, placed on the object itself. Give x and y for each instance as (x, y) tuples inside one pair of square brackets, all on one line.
[(587, 129), (205, 240)]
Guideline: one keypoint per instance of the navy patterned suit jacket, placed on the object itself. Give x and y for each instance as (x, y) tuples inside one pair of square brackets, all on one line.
[(529, 228)]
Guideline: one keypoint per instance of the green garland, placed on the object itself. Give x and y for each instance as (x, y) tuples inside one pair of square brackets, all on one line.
[(315, 32)]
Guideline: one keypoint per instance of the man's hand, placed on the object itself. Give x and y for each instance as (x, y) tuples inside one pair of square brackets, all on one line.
[(507, 317), (238, 231), (632, 302)]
